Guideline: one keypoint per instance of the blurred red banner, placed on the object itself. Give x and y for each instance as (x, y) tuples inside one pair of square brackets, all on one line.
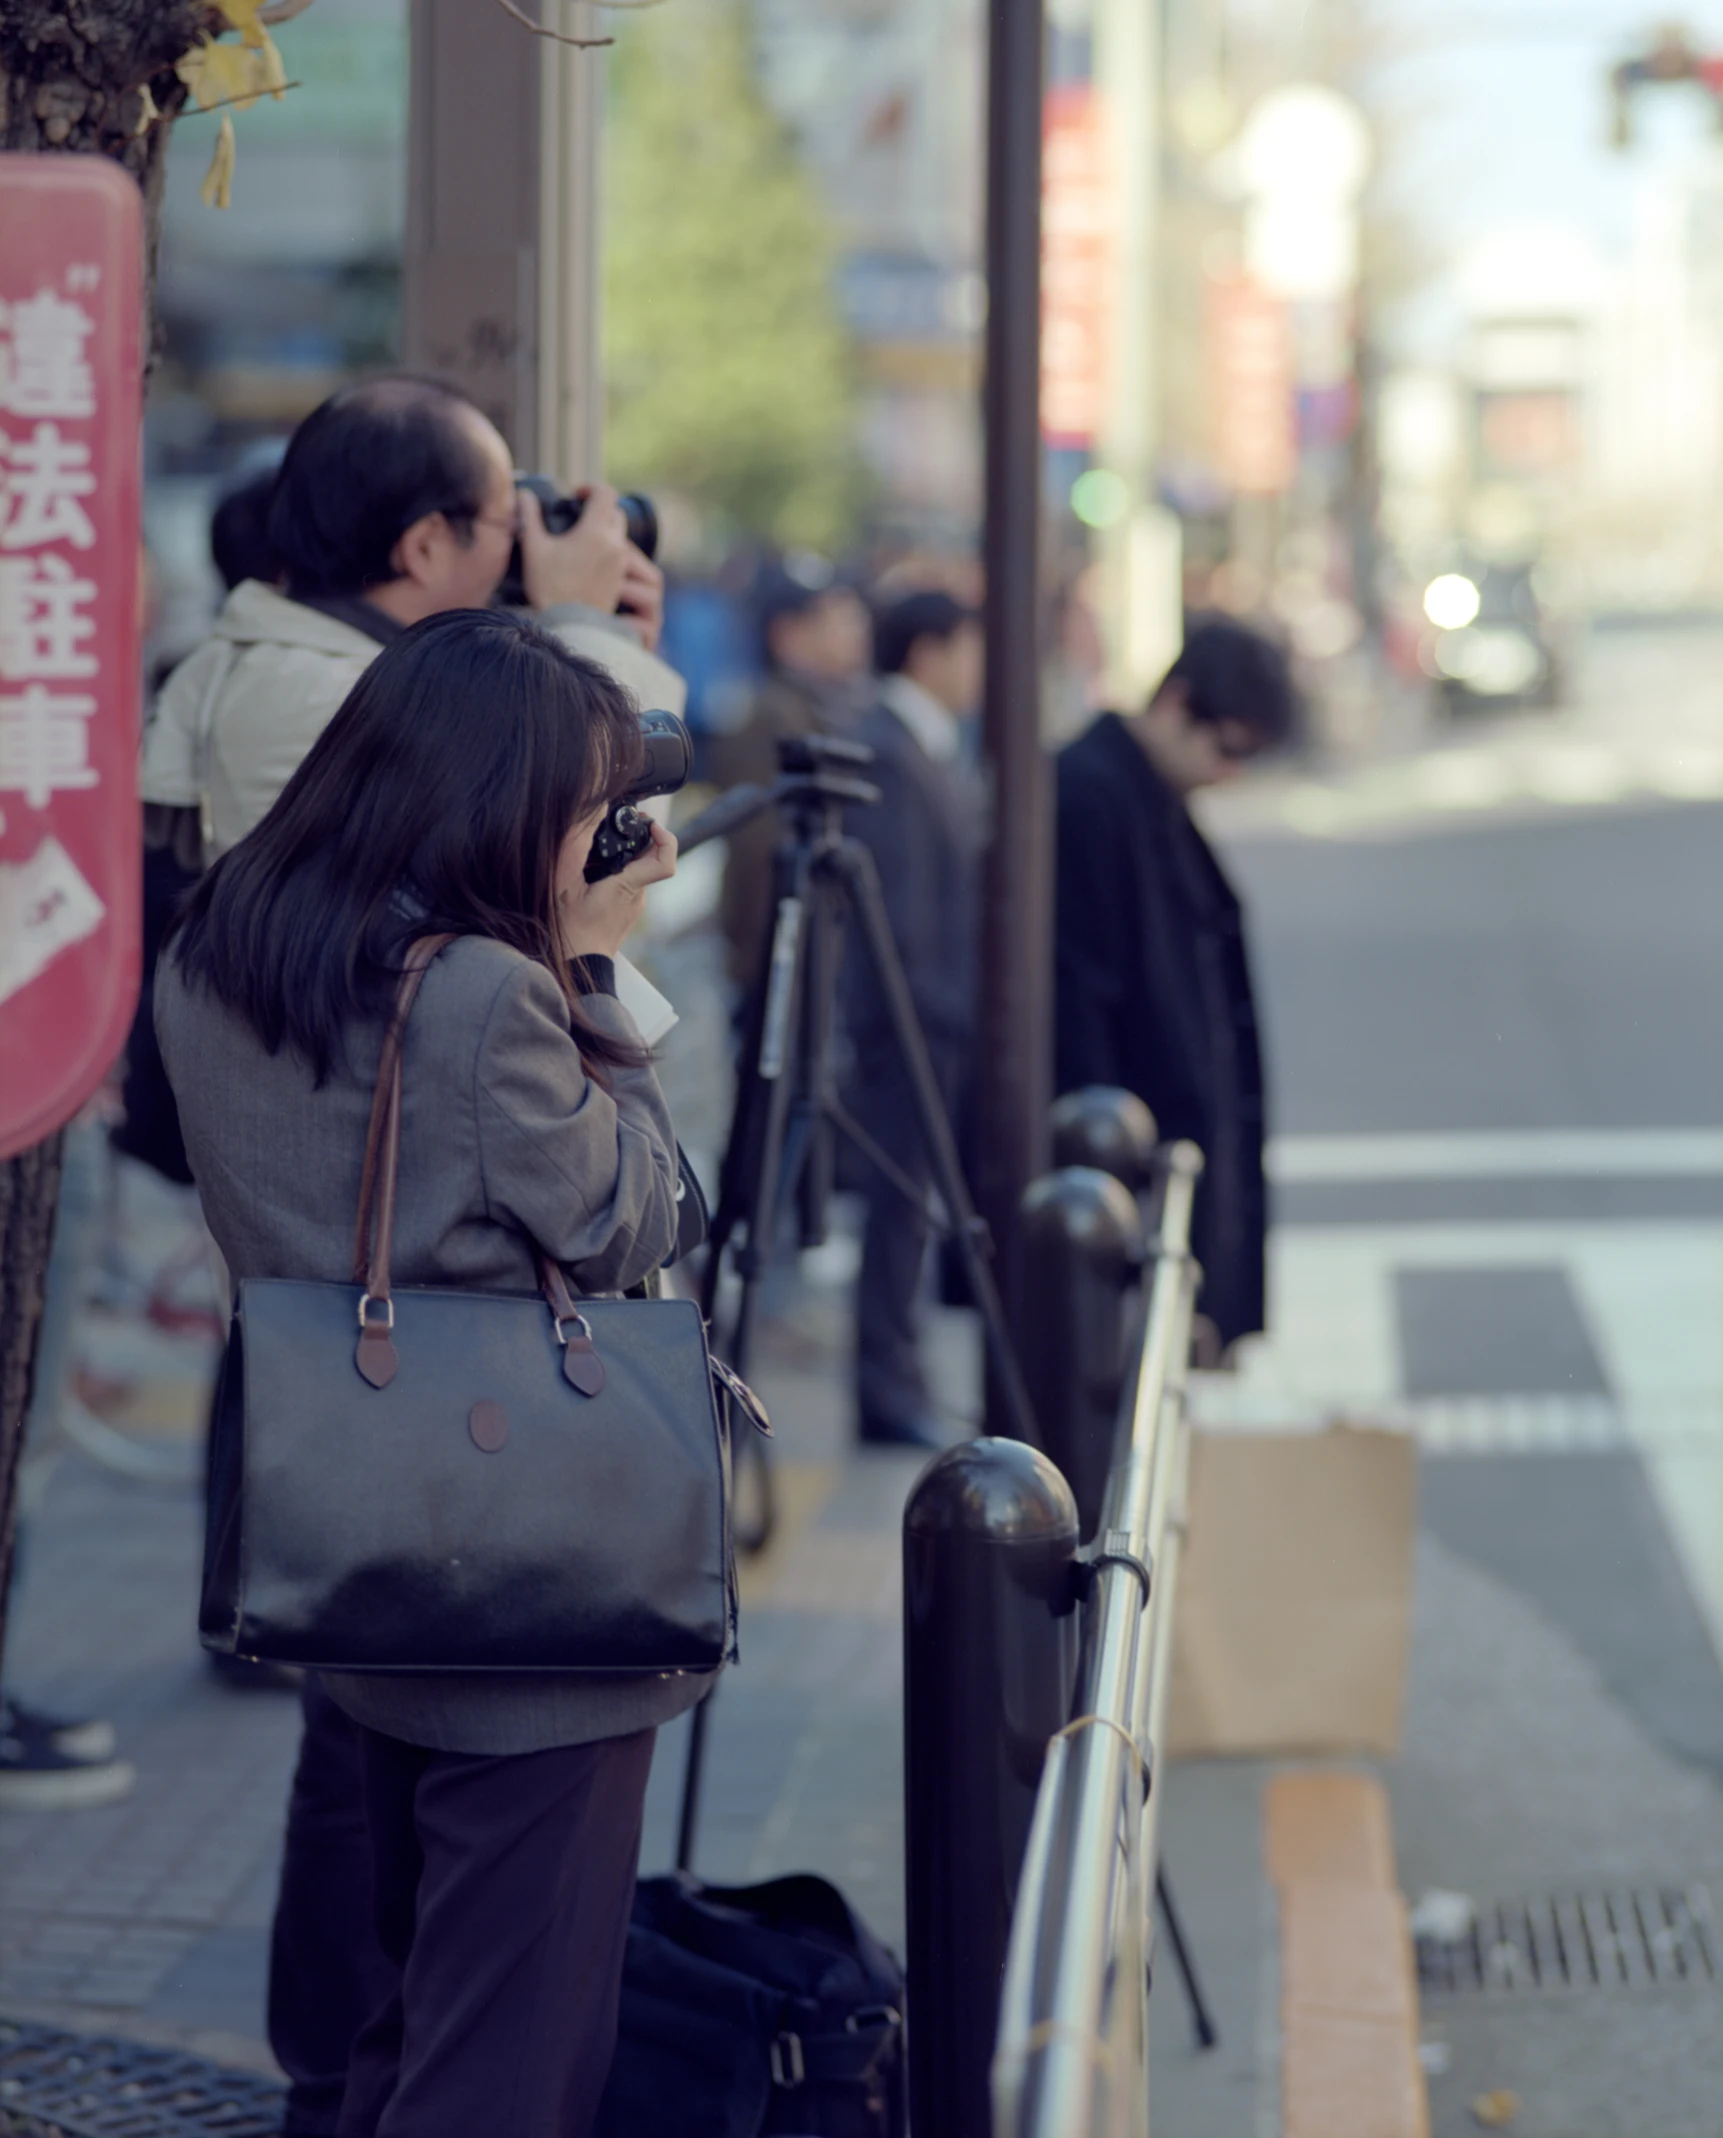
[(1079, 261), (1251, 367)]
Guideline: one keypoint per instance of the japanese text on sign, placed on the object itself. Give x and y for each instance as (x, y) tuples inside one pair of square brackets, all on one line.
[(47, 403)]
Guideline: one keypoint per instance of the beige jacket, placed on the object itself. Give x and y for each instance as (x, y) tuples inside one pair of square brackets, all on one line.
[(237, 716)]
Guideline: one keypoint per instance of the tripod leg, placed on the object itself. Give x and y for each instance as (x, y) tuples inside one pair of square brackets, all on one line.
[(693, 1773), (753, 1170), (855, 867), (1201, 2024)]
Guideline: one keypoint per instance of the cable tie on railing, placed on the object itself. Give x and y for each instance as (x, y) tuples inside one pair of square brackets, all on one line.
[(1047, 2031), (1106, 1722), (1114, 1549)]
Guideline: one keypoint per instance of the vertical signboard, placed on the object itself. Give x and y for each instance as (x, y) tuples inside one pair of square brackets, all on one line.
[(1251, 370), (71, 285), (1079, 265)]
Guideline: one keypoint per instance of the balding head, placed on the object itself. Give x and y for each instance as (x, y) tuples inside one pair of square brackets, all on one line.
[(363, 468)]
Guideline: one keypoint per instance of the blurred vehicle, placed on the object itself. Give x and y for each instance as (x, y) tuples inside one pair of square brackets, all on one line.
[(1492, 644)]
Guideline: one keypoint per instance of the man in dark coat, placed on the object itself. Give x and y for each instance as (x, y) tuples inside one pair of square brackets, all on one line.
[(1153, 979), (925, 836)]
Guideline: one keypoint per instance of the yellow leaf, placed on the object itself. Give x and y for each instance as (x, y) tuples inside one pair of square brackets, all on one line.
[(217, 188), (242, 16), (148, 113), (233, 74)]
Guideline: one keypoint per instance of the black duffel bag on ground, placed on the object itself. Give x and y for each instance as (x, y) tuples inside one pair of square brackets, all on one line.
[(749, 2010)]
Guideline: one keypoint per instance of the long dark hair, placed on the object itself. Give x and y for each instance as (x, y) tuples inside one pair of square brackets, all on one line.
[(435, 800)]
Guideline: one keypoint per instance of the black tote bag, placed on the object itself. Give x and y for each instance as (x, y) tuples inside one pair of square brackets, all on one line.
[(437, 1480)]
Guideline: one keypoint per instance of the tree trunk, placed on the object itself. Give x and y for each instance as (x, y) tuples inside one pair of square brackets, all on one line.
[(73, 76), (29, 1189)]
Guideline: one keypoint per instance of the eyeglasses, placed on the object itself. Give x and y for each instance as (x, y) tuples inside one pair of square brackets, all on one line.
[(1235, 747)]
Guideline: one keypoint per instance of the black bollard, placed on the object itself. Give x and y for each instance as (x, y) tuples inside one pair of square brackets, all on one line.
[(990, 1652), (1082, 1254), (1106, 1126)]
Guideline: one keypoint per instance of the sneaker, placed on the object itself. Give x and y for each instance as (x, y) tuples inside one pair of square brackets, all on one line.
[(92, 1742), (36, 1775)]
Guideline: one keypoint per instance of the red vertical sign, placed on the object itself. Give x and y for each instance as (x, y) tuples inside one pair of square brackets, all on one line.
[(1079, 265), (71, 282), (1250, 370)]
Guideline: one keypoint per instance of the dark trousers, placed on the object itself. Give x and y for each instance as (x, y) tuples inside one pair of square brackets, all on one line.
[(891, 1386), (476, 1988), (327, 1972)]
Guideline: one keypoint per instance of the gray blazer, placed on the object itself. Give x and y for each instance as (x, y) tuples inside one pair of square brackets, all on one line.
[(504, 1140)]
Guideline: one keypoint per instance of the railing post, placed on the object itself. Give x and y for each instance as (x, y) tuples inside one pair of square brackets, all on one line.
[(1082, 1253), (1106, 1126), (990, 1647)]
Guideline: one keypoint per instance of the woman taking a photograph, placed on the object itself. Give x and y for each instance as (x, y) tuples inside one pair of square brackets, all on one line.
[(455, 793)]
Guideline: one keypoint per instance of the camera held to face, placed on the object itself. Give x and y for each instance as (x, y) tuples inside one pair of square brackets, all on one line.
[(626, 832), (560, 514)]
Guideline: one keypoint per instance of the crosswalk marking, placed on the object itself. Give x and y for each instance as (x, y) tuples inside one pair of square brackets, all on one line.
[(1461, 784), (1651, 1294), (1487, 1155)]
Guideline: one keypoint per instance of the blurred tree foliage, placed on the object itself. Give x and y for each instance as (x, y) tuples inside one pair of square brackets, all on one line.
[(728, 366)]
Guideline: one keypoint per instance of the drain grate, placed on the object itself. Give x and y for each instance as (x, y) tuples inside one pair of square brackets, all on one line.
[(1642, 1937), (56, 2084)]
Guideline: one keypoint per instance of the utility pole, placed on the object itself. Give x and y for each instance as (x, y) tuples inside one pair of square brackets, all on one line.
[(1014, 1058), (500, 287)]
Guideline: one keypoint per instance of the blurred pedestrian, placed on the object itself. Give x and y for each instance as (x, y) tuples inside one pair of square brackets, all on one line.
[(925, 835), (148, 1128), (1153, 977), (503, 1812), (395, 502), (814, 646), (48, 1761)]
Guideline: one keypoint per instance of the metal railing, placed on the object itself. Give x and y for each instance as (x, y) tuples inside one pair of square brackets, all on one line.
[(1070, 2058)]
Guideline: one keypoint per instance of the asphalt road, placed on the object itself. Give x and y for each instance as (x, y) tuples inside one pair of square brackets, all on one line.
[(1562, 971), (1494, 1027)]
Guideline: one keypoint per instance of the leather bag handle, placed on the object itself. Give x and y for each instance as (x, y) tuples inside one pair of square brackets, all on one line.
[(374, 1234)]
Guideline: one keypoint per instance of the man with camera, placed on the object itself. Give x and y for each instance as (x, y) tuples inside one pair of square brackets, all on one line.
[(396, 501)]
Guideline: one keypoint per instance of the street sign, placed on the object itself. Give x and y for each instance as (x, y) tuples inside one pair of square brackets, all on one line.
[(71, 309)]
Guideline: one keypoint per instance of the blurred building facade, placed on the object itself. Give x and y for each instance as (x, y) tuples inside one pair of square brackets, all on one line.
[(885, 97), (268, 304)]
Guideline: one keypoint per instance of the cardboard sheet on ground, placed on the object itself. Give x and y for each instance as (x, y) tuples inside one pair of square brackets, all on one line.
[(1295, 1591)]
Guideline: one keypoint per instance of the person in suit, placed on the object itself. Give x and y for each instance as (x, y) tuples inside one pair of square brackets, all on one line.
[(503, 1813), (925, 835), (1153, 977)]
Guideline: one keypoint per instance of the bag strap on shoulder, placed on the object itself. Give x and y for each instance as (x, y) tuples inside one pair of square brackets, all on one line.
[(374, 1233)]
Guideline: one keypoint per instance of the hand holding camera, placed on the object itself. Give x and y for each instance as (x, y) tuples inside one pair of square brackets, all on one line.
[(596, 914), (595, 548)]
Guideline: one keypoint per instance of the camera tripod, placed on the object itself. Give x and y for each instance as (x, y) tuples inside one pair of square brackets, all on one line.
[(788, 1106)]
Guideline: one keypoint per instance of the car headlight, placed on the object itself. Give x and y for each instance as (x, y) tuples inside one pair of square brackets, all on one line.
[(1495, 660)]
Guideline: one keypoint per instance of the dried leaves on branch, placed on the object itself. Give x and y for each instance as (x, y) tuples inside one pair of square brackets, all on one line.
[(108, 77)]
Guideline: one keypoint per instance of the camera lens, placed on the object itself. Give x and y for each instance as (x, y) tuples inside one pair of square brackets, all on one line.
[(641, 517)]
